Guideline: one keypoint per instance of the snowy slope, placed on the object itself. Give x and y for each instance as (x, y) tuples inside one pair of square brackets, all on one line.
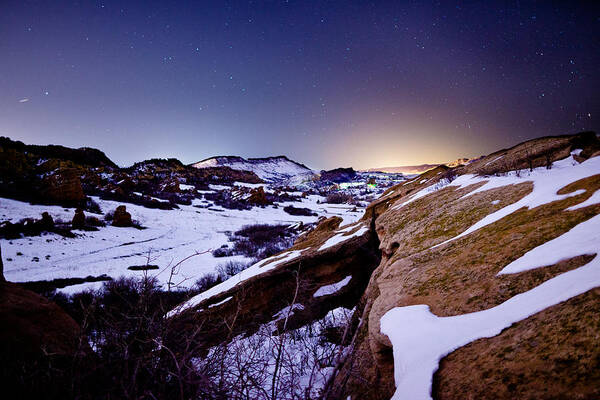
[(270, 169), (417, 350), (169, 237)]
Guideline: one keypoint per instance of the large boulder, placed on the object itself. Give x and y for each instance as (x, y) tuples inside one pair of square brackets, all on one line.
[(46, 223), (121, 217), (78, 221), (258, 197)]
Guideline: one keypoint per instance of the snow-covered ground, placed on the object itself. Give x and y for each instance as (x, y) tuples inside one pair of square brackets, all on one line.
[(169, 237), (302, 360)]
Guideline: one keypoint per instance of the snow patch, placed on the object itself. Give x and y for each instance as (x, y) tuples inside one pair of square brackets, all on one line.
[(418, 349), (584, 238), (342, 237), (593, 199), (221, 302), (333, 288)]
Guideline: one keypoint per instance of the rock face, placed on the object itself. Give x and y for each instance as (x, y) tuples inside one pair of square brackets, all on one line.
[(461, 276), (269, 169), (313, 262), (121, 217), (63, 186), (258, 197)]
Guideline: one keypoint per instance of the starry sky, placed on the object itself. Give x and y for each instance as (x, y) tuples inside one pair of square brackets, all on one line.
[(327, 83)]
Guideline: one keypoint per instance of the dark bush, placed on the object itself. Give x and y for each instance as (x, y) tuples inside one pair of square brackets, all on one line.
[(299, 211), (92, 206), (231, 268), (206, 282), (262, 240), (142, 267), (338, 198), (222, 251)]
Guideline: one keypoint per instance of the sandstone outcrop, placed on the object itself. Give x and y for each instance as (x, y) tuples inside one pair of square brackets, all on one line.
[(457, 277), (121, 217), (63, 186), (313, 263), (78, 220), (409, 249)]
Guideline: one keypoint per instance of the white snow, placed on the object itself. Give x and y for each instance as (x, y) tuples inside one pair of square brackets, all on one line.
[(546, 184), (169, 237), (218, 187), (418, 349), (584, 238), (307, 360), (442, 183), (333, 288), (272, 169), (342, 236), (287, 311), (221, 302), (495, 159), (183, 186), (593, 199), (81, 287)]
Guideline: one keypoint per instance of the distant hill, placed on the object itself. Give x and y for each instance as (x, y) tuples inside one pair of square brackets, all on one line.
[(81, 156), (418, 169), (407, 169), (270, 169)]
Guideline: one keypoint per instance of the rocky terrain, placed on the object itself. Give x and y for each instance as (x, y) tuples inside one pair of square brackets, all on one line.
[(486, 270), (74, 216), (473, 281)]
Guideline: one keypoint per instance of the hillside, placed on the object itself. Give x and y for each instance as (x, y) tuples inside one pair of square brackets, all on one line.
[(463, 281), (270, 169)]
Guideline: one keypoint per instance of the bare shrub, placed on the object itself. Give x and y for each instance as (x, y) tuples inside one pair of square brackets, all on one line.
[(262, 240), (339, 198), (231, 268)]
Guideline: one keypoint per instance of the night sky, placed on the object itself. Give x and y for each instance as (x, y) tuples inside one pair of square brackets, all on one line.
[(348, 83)]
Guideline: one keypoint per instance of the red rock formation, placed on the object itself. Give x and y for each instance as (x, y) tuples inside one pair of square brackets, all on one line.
[(121, 217)]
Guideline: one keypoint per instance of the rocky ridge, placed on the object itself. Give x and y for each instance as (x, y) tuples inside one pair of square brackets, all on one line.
[(441, 240)]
